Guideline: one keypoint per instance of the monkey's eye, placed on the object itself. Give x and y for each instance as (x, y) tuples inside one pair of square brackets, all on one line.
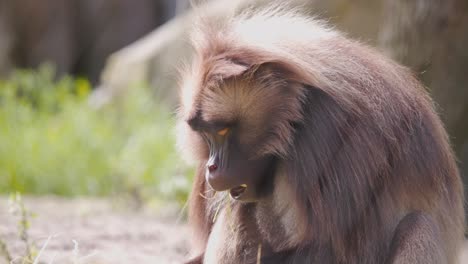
[(223, 131)]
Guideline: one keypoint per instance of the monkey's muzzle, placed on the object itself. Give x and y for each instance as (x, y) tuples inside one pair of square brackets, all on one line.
[(240, 177)]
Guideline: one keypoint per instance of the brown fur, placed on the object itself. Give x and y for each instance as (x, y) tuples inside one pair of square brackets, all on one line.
[(363, 173)]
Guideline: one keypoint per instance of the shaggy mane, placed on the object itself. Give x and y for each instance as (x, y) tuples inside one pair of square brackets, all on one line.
[(368, 139)]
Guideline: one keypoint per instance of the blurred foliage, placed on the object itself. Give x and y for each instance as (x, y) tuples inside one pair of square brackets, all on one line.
[(53, 142)]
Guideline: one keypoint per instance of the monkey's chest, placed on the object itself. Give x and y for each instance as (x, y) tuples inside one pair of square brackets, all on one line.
[(235, 238)]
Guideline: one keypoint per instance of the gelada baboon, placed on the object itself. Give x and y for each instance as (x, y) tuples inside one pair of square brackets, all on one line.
[(312, 148)]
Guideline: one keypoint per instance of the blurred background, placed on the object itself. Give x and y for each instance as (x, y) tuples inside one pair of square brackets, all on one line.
[(88, 91)]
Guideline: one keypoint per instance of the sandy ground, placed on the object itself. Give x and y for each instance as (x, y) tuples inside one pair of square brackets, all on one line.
[(101, 233), (94, 231)]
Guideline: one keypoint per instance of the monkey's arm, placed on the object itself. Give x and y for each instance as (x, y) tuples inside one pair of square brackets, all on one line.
[(417, 241), (198, 215)]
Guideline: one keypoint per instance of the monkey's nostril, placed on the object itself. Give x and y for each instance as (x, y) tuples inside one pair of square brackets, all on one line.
[(212, 167)]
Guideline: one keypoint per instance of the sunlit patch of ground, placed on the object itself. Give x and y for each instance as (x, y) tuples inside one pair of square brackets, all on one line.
[(93, 231)]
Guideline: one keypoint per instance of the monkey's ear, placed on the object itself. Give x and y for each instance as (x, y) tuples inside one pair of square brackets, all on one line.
[(228, 68)]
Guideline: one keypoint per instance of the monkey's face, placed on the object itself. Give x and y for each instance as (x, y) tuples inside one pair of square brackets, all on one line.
[(239, 128)]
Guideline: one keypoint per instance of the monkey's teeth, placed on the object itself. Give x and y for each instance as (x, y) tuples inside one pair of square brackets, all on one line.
[(237, 192)]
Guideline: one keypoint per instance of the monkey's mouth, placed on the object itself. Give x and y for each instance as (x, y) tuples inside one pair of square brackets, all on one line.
[(237, 192)]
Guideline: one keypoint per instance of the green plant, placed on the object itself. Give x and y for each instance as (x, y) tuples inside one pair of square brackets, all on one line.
[(18, 209), (4, 252), (53, 142)]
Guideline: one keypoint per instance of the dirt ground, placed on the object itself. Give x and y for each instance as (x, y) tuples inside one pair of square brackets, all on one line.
[(97, 231)]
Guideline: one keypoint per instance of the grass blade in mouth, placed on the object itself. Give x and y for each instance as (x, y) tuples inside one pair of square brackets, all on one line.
[(238, 191)]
